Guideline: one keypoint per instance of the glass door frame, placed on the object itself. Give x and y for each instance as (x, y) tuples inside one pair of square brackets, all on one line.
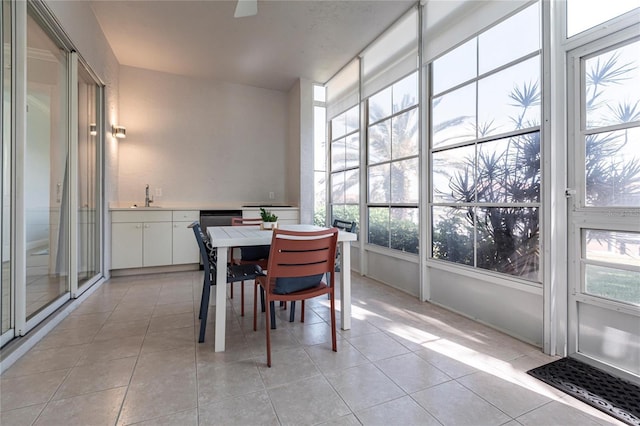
[(581, 217)]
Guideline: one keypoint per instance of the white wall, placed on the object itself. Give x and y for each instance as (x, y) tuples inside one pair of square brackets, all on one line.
[(292, 171), (202, 142)]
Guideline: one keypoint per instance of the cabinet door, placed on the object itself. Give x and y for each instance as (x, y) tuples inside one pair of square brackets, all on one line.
[(185, 246), (156, 246), (126, 245)]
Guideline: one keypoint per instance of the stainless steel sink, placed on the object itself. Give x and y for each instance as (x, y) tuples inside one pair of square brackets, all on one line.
[(135, 206)]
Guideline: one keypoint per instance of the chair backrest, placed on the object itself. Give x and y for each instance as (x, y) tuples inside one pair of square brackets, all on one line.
[(344, 225), (207, 252), (302, 254)]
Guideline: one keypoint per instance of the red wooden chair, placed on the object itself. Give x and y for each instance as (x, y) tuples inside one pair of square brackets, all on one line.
[(298, 263)]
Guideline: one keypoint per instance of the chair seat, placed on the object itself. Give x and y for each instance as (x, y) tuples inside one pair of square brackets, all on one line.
[(244, 272)]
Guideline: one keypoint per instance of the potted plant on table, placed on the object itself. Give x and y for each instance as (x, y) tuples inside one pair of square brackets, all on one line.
[(269, 220)]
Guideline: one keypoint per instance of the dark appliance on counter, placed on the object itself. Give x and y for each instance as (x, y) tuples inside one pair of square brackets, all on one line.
[(217, 217)]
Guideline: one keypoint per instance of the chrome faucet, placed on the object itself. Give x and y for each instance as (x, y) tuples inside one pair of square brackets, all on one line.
[(147, 200)]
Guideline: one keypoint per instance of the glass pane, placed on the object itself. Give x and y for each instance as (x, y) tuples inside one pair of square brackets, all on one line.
[(618, 247), (379, 226), (508, 241), (612, 168), (612, 87), (585, 14), (405, 93), (379, 184), (46, 178), (404, 229), (319, 198), (380, 105), (339, 126), (352, 214), (509, 170), (513, 38), (379, 146), (352, 186), (5, 175), (88, 177), (352, 153), (454, 116), (319, 93), (405, 181), (337, 211), (337, 188), (405, 134), (452, 234), (452, 177), (319, 138), (338, 152), (510, 100), (455, 67), (611, 283), (352, 118)]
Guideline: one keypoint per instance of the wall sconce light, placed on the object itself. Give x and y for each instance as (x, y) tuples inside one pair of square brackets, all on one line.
[(93, 130), (119, 132)]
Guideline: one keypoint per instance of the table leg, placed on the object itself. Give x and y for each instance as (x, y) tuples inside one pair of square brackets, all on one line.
[(345, 284), (221, 299)]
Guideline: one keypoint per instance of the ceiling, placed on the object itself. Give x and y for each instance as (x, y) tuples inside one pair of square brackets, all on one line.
[(285, 41)]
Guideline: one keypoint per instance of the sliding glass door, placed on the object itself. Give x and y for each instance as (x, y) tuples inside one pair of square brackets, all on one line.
[(5, 176), (46, 174)]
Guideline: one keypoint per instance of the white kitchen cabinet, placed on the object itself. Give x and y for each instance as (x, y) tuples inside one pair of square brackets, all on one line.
[(286, 215), (141, 238), (185, 248)]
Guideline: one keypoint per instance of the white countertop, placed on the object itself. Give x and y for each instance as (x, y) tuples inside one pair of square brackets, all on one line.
[(177, 206)]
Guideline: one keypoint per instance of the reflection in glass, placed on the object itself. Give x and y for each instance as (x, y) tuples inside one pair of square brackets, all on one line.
[(404, 142), (88, 178), (379, 226), (379, 185), (585, 14), (337, 188), (454, 116), (453, 175), (511, 39), (405, 182), (320, 197), (46, 200), (405, 93), (352, 151), (618, 247), (452, 234), (612, 90), (339, 126), (352, 186), (508, 240), (508, 170), (380, 105), (455, 67), (338, 154), (380, 142), (404, 232), (612, 168), (510, 99), (5, 176), (611, 283)]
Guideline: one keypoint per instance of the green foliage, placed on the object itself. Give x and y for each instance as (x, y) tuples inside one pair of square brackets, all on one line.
[(267, 216)]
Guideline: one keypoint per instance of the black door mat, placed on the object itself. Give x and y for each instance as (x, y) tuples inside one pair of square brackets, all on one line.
[(617, 397)]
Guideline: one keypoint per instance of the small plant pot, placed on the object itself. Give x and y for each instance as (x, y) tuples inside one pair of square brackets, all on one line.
[(269, 225)]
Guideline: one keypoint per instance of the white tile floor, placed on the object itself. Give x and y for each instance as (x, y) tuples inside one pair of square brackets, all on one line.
[(129, 355)]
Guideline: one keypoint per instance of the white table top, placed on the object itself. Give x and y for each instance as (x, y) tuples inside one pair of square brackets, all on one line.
[(235, 236)]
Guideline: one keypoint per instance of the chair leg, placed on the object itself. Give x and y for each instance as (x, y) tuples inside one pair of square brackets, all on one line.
[(292, 312), (231, 291), (272, 315), (333, 321), (302, 311), (262, 298), (269, 306), (204, 310), (255, 304), (241, 298)]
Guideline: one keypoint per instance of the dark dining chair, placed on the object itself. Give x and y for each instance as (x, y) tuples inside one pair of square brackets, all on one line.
[(251, 255), (209, 257), (298, 263)]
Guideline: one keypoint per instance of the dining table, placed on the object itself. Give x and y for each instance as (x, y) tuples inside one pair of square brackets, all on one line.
[(224, 237)]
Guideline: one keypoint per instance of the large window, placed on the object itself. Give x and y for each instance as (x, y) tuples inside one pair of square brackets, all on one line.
[(585, 14), (393, 166), (345, 165), (485, 149)]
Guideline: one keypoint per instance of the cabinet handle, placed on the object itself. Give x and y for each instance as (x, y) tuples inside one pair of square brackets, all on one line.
[(138, 226), (146, 226)]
